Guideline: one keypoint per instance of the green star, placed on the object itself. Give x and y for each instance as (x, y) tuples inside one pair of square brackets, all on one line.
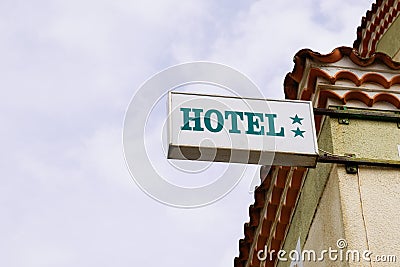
[(296, 119), (298, 132)]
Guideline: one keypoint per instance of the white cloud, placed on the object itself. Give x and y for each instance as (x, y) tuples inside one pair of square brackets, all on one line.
[(69, 69)]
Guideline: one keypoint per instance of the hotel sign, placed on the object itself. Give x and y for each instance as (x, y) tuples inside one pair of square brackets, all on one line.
[(241, 130)]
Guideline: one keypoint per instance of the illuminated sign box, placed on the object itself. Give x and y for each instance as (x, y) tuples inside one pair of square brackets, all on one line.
[(241, 130)]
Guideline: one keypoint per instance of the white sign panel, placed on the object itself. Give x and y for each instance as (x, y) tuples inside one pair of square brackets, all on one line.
[(241, 130)]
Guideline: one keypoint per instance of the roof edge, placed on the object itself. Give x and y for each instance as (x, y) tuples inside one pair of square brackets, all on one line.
[(293, 78)]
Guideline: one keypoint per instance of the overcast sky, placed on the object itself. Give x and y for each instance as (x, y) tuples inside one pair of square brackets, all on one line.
[(68, 70)]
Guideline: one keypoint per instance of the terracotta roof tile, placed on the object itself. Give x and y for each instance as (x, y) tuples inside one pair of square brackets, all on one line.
[(263, 222), (292, 79), (360, 96)]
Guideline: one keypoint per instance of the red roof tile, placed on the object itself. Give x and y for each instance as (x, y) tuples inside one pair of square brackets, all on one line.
[(262, 222)]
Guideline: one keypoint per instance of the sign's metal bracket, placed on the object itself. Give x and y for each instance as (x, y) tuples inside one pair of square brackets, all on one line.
[(344, 119), (344, 114), (398, 123), (352, 163), (351, 167)]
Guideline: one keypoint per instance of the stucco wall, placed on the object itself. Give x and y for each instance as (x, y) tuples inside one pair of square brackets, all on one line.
[(366, 139), (327, 226), (339, 216), (380, 199), (363, 209), (397, 56), (390, 41)]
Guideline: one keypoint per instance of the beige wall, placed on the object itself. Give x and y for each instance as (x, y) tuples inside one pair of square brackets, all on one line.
[(362, 209), (380, 199), (397, 56), (327, 226), (390, 41)]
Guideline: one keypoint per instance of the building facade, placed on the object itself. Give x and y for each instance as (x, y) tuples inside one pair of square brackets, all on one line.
[(350, 202)]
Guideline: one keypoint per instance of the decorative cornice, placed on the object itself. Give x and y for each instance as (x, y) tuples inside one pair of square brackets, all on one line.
[(359, 96), (293, 78), (315, 72)]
